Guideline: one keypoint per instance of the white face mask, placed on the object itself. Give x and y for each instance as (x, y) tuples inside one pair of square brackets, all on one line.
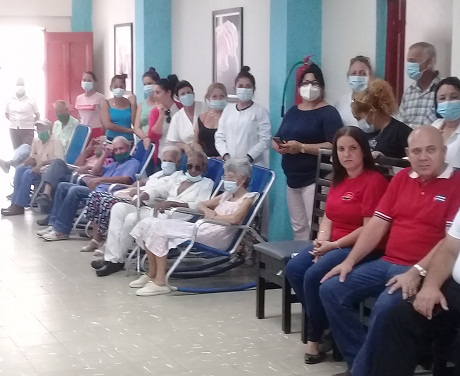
[(168, 167), (244, 94), (309, 92), (365, 126), (118, 92), (230, 186), (87, 86), (20, 90), (193, 179)]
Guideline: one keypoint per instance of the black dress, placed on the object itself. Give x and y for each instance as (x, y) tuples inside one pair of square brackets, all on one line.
[(206, 140)]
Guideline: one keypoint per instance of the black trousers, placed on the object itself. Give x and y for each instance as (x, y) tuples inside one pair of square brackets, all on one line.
[(410, 338)]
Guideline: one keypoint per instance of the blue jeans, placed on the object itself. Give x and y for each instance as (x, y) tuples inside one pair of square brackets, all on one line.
[(304, 276), (24, 178), (341, 302), (65, 206)]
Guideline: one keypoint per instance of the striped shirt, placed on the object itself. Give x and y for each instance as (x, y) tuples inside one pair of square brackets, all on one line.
[(417, 106)]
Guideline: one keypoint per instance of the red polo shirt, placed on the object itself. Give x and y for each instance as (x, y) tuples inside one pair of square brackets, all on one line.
[(419, 213)]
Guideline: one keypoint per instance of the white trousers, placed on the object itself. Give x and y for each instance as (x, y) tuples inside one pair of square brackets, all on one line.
[(123, 218), (300, 205)]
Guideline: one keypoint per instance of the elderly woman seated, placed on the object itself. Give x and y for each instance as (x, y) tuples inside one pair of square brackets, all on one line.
[(180, 190), (157, 236)]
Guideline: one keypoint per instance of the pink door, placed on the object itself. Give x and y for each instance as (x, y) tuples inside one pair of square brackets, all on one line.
[(67, 56)]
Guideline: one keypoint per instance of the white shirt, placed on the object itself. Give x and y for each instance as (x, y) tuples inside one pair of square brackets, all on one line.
[(454, 231), (181, 128), (197, 192), (453, 144), (343, 106), (21, 112), (246, 132)]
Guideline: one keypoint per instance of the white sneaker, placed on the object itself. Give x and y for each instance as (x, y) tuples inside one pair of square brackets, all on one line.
[(53, 236), (45, 231), (140, 282), (151, 289)]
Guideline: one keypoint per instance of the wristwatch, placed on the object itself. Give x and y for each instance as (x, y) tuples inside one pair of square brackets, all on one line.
[(421, 270)]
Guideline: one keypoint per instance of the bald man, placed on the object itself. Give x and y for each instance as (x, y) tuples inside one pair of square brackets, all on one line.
[(65, 125), (418, 206)]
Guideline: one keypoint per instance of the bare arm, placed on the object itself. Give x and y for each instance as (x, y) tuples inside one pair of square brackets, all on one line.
[(296, 147), (137, 124), (36, 116), (97, 169), (133, 104), (239, 216)]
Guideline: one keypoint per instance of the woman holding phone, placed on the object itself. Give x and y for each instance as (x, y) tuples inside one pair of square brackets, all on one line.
[(305, 129), (355, 192)]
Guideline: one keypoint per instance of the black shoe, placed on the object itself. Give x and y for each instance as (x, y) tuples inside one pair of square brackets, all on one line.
[(43, 221), (346, 373), (314, 359), (97, 264), (110, 268), (12, 210), (43, 199)]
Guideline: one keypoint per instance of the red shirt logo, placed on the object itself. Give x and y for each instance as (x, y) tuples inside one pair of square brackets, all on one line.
[(348, 196)]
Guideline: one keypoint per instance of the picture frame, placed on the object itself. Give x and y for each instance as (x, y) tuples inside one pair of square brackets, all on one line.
[(227, 47), (123, 52)]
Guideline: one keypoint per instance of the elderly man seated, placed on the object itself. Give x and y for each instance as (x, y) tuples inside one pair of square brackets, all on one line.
[(184, 190), (45, 149), (418, 205), (65, 125), (434, 316), (58, 171), (68, 195)]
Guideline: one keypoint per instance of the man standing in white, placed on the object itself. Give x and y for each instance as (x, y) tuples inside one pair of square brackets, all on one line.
[(244, 129)]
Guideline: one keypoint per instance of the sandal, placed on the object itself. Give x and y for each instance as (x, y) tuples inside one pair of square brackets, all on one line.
[(92, 246)]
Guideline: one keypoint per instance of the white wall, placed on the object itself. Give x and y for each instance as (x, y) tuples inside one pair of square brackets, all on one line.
[(192, 42), (107, 13), (455, 65), (431, 21), (54, 15), (349, 29)]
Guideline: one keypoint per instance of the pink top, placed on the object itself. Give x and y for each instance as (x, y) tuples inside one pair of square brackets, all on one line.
[(89, 109)]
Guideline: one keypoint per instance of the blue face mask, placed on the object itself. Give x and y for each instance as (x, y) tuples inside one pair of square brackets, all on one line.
[(244, 94), (449, 110), (193, 179), (413, 71), (230, 186), (168, 167), (187, 99), (148, 90), (358, 83), (217, 104), (365, 126)]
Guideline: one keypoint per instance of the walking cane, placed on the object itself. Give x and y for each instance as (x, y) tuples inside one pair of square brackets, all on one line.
[(138, 205)]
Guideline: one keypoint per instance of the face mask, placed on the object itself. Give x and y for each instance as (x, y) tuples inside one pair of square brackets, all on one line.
[(365, 126), (20, 91), (230, 186), (118, 92), (413, 71), (43, 136), (123, 157), (187, 99), (148, 90), (217, 104), (309, 92), (358, 83), (87, 86), (63, 118), (244, 94), (168, 167), (193, 179), (449, 110)]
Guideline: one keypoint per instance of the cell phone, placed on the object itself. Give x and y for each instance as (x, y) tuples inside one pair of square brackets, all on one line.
[(279, 141)]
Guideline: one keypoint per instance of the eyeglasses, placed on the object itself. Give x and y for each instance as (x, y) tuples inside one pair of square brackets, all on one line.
[(192, 166), (168, 116)]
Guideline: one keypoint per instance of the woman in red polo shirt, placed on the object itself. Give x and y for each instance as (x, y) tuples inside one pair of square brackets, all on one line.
[(355, 192)]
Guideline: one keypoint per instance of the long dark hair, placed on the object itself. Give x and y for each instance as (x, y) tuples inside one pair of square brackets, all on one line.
[(339, 172)]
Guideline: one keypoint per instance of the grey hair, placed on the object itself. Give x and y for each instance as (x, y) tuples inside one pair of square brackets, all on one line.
[(201, 155), (122, 139), (427, 48), (240, 167), (173, 149), (61, 101)]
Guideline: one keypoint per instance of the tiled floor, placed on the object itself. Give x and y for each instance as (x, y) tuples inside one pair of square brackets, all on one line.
[(58, 318)]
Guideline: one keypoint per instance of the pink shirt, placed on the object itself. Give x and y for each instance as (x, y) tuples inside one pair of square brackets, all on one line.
[(89, 109)]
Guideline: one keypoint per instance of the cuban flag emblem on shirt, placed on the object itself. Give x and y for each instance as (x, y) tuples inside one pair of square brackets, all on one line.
[(439, 198)]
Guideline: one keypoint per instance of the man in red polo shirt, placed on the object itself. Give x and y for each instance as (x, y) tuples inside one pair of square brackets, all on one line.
[(419, 204)]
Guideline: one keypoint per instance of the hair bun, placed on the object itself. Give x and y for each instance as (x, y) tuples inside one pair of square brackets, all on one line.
[(124, 76), (245, 69), (152, 70)]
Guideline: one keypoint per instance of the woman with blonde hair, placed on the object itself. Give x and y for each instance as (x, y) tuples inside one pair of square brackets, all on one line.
[(207, 123), (374, 109)]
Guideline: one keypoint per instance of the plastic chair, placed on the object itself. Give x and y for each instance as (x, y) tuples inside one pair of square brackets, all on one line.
[(77, 143)]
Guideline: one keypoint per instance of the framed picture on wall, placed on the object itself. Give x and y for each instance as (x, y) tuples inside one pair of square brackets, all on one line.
[(227, 51), (123, 52)]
